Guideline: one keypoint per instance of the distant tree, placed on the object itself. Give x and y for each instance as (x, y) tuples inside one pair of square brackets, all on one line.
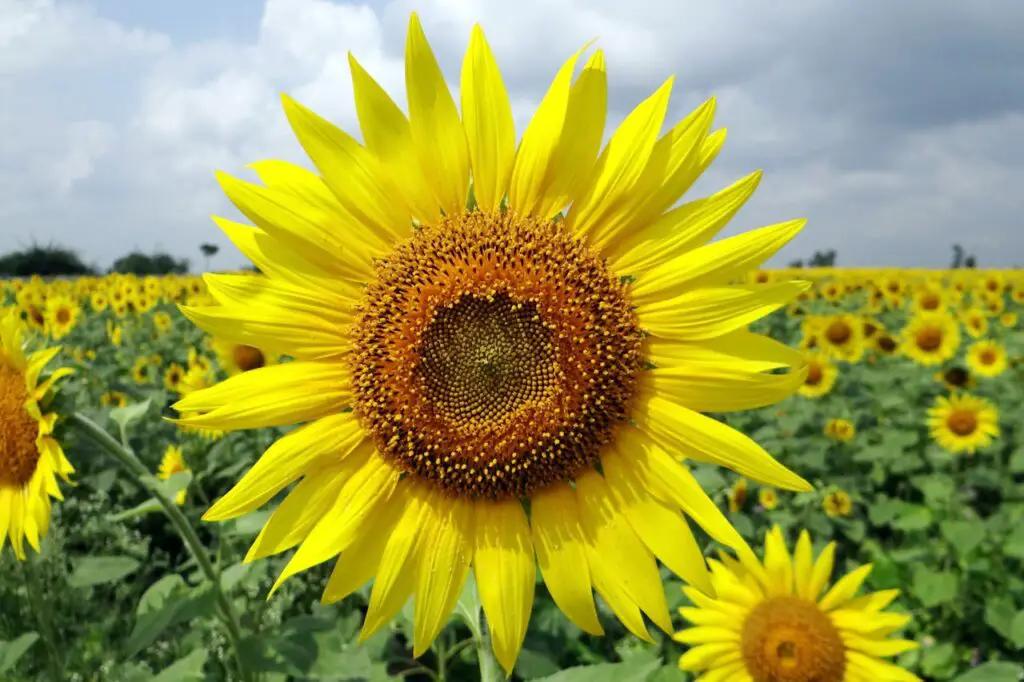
[(45, 261), (823, 259), (962, 259), (796, 264), (970, 262), (139, 263), (209, 251)]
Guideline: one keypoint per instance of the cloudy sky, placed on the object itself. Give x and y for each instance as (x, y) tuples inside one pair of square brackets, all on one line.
[(895, 128)]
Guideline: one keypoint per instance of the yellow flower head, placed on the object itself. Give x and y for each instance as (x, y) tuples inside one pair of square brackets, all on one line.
[(173, 462), (987, 358), (30, 458), (549, 337), (774, 621), (842, 337), (737, 495), (163, 322), (837, 504), (767, 498), (62, 315), (821, 376), (963, 423), (930, 339), (173, 376), (113, 399), (115, 333), (841, 430)]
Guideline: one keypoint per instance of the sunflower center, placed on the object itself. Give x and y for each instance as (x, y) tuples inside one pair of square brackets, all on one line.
[(987, 357), (930, 301), (786, 639), (886, 344), (839, 332), (494, 355), (18, 431), (962, 422), (814, 374), (63, 316), (929, 338), (956, 376), (247, 357)]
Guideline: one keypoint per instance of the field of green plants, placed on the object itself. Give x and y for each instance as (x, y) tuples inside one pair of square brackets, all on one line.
[(116, 595)]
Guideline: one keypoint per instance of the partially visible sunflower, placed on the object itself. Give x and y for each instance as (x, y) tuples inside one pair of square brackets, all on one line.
[(963, 423), (771, 623), (821, 376), (140, 370), (1008, 320), (737, 495), (98, 301), (956, 378), (236, 358), (31, 459), (113, 398), (930, 339), (173, 462), (172, 377), (975, 322), (115, 333), (987, 358), (163, 322), (768, 499), (842, 337)]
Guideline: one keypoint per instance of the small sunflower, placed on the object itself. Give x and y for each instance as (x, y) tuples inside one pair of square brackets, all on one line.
[(842, 337), (821, 376), (770, 622), (173, 376), (768, 499), (930, 339), (115, 333), (162, 322), (841, 430), (140, 370), (113, 399), (30, 458), (197, 359), (236, 358), (975, 322), (963, 423), (98, 301), (62, 315), (931, 299), (837, 504), (987, 358), (173, 462), (956, 378), (737, 495), (1008, 320), (885, 344), (549, 343)]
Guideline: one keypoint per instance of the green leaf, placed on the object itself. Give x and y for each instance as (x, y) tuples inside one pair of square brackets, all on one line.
[(993, 672), (232, 575), (999, 615), (98, 570), (1014, 544), (1017, 460), (127, 415), (934, 587), (632, 671), (939, 660), (533, 664), (1017, 630), (964, 536), (913, 517), (147, 507), (160, 592), (11, 652), (185, 669), (166, 608)]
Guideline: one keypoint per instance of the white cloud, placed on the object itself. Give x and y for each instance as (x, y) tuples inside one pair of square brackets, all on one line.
[(87, 142)]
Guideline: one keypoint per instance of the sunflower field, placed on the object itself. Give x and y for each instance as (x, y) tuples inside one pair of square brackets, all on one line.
[(908, 424)]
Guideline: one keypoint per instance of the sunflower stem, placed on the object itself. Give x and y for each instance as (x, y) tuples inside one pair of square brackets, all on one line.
[(41, 608), (142, 477), (490, 669)]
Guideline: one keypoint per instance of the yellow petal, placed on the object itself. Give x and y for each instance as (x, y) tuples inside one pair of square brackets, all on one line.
[(613, 188), (822, 570), (619, 556), (723, 389), (274, 260), (558, 539), (444, 563), (539, 144), (663, 530), (487, 118), (437, 132), (351, 172), (284, 394), (707, 440), (845, 588), (505, 574), (803, 565), (388, 136), (334, 436), (707, 313), (740, 349)]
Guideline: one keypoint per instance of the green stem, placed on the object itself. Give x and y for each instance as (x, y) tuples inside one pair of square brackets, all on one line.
[(41, 609), (490, 669), (142, 477)]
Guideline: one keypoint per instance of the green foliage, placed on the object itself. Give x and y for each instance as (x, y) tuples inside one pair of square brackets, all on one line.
[(138, 263), (45, 261)]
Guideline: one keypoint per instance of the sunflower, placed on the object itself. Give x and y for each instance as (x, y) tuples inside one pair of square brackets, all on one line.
[(768, 499), (931, 299), (173, 462), (113, 398), (842, 337), (457, 358), (172, 377), (115, 333), (1008, 320), (987, 358), (30, 458), (955, 378), (197, 359), (99, 301), (837, 504), (963, 422), (821, 376), (841, 430), (163, 322), (930, 338), (975, 322), (235, 358), (885, 344), (770, 622), (140, 370), (737, 495), (62, 315)]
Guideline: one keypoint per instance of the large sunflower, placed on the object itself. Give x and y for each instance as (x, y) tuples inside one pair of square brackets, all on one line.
[(457, 353), (771, 622), (930, 338), (30, 458)]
